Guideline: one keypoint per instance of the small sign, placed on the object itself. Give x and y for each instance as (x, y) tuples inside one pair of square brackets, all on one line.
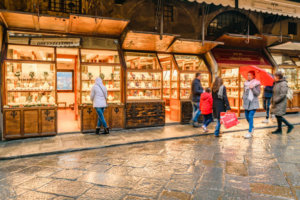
[(56, 42)]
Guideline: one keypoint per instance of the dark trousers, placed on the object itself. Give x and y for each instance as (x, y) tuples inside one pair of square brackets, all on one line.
[(281, 119), (207, 119), (267, 102)]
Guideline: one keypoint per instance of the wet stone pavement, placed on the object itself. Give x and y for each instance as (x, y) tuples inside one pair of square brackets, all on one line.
[(266, 167)]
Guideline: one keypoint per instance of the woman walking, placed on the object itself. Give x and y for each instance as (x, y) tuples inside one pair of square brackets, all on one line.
[(279, 101), (99, 97), (220, 102), (250, 100)]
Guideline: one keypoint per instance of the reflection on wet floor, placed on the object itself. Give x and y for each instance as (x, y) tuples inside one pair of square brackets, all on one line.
[(230, 167)]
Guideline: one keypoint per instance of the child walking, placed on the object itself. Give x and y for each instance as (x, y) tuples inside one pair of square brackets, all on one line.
[(206, 104)]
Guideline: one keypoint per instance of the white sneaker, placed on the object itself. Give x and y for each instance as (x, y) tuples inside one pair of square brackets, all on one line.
[(204, 128), (265, 121), (248, 135), (273, 116)]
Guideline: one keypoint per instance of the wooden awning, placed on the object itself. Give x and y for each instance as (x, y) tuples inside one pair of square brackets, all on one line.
[(289, 46), (74, 24), (239, 40), (147, 41), (230, 3), (192, 46), (270, 39)]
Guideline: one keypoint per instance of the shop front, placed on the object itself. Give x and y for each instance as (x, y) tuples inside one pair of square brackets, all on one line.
[(229, 61), (287, 58), (47, 76), (159, 76)]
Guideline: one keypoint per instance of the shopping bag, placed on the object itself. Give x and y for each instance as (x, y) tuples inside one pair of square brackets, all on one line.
[(229, 119)]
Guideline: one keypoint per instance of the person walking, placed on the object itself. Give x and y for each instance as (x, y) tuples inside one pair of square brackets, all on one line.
[(250, 100), (197, 90), (220, 102), (99, 99), (268, 92), (206, 103), (279, 102)]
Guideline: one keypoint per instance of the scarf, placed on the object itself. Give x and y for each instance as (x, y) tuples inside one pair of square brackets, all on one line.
[(220, 92), (253, 83)]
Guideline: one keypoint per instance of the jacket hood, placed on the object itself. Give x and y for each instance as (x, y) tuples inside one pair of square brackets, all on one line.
[(98, 81), (205, 95), (282, 80)]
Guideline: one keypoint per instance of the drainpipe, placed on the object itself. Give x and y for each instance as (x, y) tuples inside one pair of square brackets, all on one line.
[(270, 58), (203, 27)]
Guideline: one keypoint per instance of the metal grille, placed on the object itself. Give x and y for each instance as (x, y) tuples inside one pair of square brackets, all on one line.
[(65, 6)]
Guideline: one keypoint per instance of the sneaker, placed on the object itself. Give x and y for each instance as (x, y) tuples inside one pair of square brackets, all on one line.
[(204, 129), (248, 135), (290, 128), (195, 125), (273, 116), (277, 131), (265, 121)]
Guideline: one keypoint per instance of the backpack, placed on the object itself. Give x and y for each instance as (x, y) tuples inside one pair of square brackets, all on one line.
[(290, 94)]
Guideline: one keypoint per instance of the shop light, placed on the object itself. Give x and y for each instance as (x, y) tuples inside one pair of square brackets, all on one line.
[(64, 60)]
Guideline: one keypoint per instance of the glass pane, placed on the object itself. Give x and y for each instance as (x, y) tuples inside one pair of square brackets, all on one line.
[(291, 76), (186, 80), (143, 85), (111, 79), (64, 81), (190, 63), (282, 59), (30, 53), (145, 61), (99, 56), (168, 74), (30, 84), (230, 79)]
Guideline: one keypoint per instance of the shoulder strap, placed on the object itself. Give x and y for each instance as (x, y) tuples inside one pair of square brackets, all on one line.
[(102, 91)]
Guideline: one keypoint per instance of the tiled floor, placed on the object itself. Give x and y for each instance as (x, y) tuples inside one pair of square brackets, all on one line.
[(266, 167)]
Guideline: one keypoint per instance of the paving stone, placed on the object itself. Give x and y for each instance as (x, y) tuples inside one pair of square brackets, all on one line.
[(213, 175), (104, 193), (35, 183), (66, 188), (148, 187), (206, 194), (15, 179), (212, 163), (186, 185), (174, 195), (238, 169), (99, 168), (110, 179), (63, 198), (132, 197), (271, 190), (236, 194), (35, 195), (237, 182), (119, 170), (69, 174), (272, 176)]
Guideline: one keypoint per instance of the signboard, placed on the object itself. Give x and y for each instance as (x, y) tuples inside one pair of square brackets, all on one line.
[(56, 42), (65, 81), (279, 7)]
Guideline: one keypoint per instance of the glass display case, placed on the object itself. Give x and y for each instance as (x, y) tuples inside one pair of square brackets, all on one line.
[(29, 76), (103, 64), (188, 66), (144, 76)]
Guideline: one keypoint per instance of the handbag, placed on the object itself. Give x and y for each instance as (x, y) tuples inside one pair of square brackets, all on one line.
[(229, 119)]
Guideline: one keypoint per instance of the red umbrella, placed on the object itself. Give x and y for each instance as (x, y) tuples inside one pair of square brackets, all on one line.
[(260, 74)]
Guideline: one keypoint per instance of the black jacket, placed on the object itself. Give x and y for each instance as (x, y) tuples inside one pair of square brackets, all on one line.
[(197, 90), (220, 105), (268, 91)]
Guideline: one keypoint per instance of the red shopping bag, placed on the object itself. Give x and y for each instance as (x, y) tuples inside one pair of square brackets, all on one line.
[(229, 119)]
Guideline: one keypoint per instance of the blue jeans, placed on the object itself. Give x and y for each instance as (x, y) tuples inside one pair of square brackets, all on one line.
[(101, 120), (196, 111), (249, 116), (218, 126), (267, 103), (207, 119)]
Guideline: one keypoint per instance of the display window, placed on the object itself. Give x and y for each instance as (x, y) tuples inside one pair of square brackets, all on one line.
[(188, 66), (103, 64), (29, 77), (144, 76)]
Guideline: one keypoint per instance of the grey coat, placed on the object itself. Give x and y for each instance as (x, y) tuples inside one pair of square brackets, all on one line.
[(254, 104), (279, 99)]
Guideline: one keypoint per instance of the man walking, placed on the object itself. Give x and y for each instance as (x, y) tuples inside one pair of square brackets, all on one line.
[(197, 90), (268, 93)]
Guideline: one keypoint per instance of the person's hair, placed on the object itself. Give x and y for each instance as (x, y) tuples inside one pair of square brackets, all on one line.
[(252, 72), (197, 74), (208, 90), (279, 74), (217, 84)]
